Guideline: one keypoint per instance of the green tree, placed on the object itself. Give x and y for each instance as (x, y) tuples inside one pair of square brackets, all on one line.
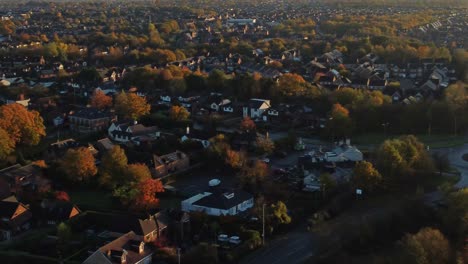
[(113, 169)]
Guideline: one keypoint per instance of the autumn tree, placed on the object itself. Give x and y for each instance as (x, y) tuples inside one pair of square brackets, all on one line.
[(429, 246), (291, 84), (62, 196), (138, 172), (130, 105), (247, 125), (365, 176), (23, 127), (264, 145), (178, 113), (339, 123), (278, 215), (253, 175), (146, 195), (78, 164), (403, 156), (456, 95), (455, 216), (235, 159), (7, 145), (113, 169), (100, 100)]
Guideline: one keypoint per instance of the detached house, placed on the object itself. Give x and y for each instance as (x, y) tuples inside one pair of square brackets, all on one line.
[(15, 217), (125, 132), (89, 120), (217, 201), (125, 249), (55, 212), (255, 108), (170, 163)]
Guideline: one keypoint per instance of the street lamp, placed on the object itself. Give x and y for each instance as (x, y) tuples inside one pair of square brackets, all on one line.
[(385, 125), (263, 225)]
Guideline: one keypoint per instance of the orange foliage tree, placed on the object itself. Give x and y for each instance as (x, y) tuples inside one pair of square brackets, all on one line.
[(7, 145), (130, 105), (23, 126), (247, 124), (178, 113), (78, 164), (100, 101), (146, 196)]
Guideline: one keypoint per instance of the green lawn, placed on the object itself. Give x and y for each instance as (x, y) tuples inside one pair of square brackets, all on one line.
[(92, 199), (433, 141)]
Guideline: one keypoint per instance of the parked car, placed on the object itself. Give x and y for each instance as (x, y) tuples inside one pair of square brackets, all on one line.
[(223, 238), (235, 240)]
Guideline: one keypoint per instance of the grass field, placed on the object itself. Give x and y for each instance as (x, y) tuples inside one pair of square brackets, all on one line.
[(433, 141), (92, 199)]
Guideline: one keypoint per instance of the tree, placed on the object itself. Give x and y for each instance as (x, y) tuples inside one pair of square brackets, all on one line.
[(441, 162), (247, 124), (138, 172), (146, 195), (339, 123), (23, 126), (279, 214), (428, 246), (365, 176), (62, 196), (235, 159), (402, 156), (455, 218), (100, 100), (291, 84), (130, 105), (264, 145), (202, 253), (113, 169), (7, 145), (251, 177), (456, 96), (327, 182), (178, 113), (63, 233), (78, 164)]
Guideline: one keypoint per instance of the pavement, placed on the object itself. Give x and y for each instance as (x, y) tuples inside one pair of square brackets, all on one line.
[(292, 248)]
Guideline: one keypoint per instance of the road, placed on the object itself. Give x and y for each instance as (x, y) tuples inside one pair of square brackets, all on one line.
[(292, 248), (455, 157)]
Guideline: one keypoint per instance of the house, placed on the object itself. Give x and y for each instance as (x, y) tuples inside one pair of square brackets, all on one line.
[(218, 201), (255, 108), (219, 104), (170, 163), (55, 212), (197, 136), (15, 217), (25, 181), (125, 132), (89, 120), (344, 152), (377, 84), (126, 249)]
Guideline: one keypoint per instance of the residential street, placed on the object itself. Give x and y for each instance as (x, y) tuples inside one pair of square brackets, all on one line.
[(292, 248)]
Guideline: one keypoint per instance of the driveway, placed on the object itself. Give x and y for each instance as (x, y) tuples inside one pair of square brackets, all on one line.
[(455, 157), (292, 248)]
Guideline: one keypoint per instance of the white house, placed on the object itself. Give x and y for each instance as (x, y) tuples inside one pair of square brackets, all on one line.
[(220, 105), (344, 152), (217, 201), (255, 108), (125, 132)]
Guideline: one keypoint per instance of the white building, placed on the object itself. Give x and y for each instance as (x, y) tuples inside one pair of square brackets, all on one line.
[(255, 108)]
